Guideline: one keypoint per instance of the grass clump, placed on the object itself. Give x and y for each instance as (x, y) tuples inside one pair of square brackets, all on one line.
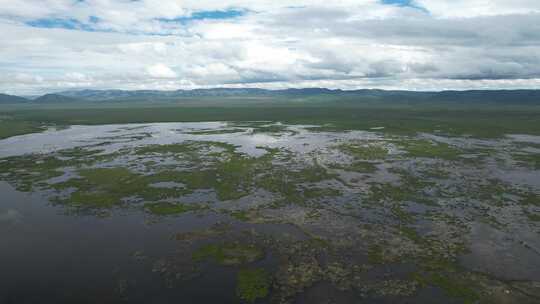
[(252, 284)]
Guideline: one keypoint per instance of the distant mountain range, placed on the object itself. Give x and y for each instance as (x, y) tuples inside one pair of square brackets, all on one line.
[(492, 96), (10, 99)]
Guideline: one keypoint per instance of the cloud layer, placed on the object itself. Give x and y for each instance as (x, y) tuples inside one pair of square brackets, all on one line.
[(51, 45)]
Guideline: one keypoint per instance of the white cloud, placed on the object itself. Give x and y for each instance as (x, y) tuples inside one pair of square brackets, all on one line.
[(160, 71), (474, 8), (348, 44)]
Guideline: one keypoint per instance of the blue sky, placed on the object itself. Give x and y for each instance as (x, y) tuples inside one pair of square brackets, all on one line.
[(409, 3), (51, 45), (92, 23), (71, 24)]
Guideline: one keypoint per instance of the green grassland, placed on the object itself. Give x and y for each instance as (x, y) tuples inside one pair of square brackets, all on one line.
[(476, 119)]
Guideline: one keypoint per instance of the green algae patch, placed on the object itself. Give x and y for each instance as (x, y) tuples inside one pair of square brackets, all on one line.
[(365, 151), (164, 208), (429, 149), (252, 284), (228, 254)]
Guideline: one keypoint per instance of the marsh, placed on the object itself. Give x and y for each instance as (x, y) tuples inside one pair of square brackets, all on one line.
[(267, 212)]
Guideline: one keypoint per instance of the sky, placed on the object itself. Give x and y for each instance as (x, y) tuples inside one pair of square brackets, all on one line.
[(55, 45)]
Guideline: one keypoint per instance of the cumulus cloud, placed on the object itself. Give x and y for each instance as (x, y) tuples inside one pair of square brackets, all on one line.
[(50, 45)]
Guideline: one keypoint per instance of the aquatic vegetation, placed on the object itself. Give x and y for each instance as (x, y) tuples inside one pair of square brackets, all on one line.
[(411, 234), (164, 208), (429, 149), (101, 187), (273, 129), (313, 208), (375, 254), (409, 189), (314, 193), (533, 216), (366, 151), (78, 152), (291, 185), (530, 160), (362, 167), (453, 285), (530, 199), (10, 126), (241, 215), (216, 132), (29, 172), (493, 191), (252, 284), (228, 254), (357, 166)]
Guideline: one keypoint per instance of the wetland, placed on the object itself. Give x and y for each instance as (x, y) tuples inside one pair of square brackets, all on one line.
[(268, 212)]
